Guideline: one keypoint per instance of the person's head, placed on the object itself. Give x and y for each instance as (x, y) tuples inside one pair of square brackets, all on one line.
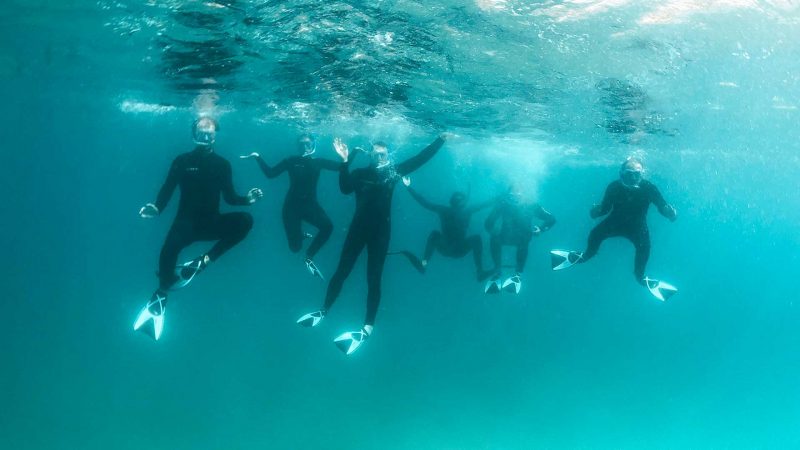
[(631, 173), (379, 155), (204, 131), (306, 144), (514, 193), (458, 200)]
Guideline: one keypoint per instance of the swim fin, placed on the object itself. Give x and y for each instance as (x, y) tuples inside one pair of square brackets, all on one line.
[(311, 319), (561, 259), (188, 270), (494, 285), (513, 284), (350, 341), (152, 315), (313, 270), (660, 289)]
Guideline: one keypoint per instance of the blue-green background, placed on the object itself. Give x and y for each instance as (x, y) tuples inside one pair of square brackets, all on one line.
[(580, 359)]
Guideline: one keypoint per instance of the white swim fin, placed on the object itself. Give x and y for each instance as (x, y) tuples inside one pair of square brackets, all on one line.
[(513, 284), (311, 319), (562, 259), (152, 315), (350, 341), (660, 289)]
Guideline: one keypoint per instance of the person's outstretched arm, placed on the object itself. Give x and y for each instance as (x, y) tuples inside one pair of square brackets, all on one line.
[(477, 207), (229, 193), (424, 202), (605, 207), (417, 161), (548, 220), (664, 208), (271, 172), (346, 180), (165, 193), (328, 164)]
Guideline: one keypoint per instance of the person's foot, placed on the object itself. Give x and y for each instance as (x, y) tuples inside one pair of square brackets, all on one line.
[(350, 341), (188, 270), (311, 319), (494, 285), (563, 259)]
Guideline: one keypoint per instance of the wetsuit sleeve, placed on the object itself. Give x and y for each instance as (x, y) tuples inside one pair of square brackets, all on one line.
[(328, 164), (228, 192), (607, 203), (169, 186), (480, 206), (425, 203), (415, 162), (548, 220), (272, 172), (346, 182), (657, 199)]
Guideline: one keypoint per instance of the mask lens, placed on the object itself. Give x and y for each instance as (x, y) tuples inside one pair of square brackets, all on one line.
[(631, 177)]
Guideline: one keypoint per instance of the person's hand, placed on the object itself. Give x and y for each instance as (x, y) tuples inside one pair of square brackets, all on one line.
[(254, 194), (251, 155), (595, 212), (406, 181), (341, 149), (536, 230), (148, 211), (447, 136), (673, 216)]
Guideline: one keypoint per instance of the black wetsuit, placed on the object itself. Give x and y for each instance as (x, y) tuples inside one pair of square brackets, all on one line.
[(515, 229), (371, 224), (202, 175), (301, 200), (452, 241), (628, 219)]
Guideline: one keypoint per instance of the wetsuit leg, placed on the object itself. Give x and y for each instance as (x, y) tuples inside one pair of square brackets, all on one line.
[(522, 253), (317, 217), (496, 248), (476, 245), (377, 247), (353, 245), (230, 229), (641, 241), (434, 240), (180, 236), (599, 233), (292, 225)]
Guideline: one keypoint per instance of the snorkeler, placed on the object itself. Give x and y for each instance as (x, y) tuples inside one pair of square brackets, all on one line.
[(627, 200), (516, 230), (301, 203), (452, 240), (370, 228), (202, 175)]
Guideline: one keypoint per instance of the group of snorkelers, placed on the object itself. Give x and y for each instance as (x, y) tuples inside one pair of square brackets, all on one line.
[(202, 175)]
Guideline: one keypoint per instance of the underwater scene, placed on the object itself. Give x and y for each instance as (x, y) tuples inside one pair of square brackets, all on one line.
[(400, 224)]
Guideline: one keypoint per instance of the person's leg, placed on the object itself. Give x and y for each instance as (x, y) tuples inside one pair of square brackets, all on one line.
[(434, 240), (476, 245), (317, 217), (641, 241), (353, 245), (292, 225), (180, 235), (377, 247), (230, 229), (496, 248), (599, 233), (522, 253)]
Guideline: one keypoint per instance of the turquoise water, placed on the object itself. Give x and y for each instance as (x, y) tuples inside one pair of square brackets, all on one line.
[(98, 99)]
